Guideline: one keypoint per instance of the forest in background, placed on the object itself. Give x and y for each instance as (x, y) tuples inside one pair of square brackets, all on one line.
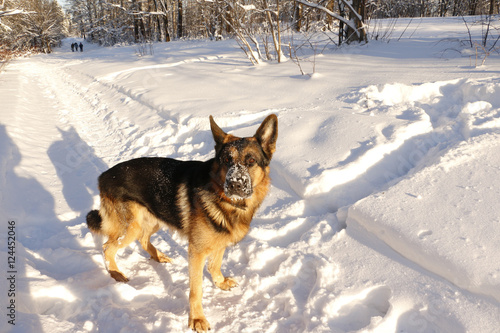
[(257, 25)]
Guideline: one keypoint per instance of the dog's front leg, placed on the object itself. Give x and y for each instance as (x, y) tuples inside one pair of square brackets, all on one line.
[(197, 320), (214, 264)]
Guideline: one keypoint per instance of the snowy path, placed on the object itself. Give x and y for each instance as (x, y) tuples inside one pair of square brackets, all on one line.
[(33, 125), (382, 217)]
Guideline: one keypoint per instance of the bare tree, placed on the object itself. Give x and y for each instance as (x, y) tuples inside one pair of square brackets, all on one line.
[(179, 19), (31, 25)]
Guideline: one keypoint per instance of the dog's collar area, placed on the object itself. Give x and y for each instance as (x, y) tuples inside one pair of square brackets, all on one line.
[(239, 203)]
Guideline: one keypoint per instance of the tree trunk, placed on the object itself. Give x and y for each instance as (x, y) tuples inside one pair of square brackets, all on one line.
[(492, 6), (329, 20), (472, 7), (297, 17), (342, 33), (229, 18), (358, 17), (179, 19), (276, 34), (443, 7), (165, 20)]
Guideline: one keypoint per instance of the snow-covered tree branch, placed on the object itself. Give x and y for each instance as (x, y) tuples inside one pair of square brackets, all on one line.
[(31, 24), (355, 22), (327, 11)]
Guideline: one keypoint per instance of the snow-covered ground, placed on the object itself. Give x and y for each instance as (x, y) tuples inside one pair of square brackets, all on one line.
[(383, 216)]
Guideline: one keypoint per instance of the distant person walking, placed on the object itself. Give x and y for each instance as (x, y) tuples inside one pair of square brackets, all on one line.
[(72, 47), (81, 47)]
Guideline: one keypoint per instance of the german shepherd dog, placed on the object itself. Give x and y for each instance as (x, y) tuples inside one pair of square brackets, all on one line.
[(211, 203)]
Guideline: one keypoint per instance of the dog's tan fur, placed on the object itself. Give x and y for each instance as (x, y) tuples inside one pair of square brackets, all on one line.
[(124, 221)]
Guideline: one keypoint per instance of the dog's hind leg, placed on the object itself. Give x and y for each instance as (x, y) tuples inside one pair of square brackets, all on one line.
[(110, 248), (150, 225), (114, 244), (146, 245)]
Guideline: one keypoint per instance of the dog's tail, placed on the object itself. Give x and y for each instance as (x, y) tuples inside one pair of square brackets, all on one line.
[(94, 221)]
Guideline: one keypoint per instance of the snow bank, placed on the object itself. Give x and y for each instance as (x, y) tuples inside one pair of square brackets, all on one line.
[(445, 217)]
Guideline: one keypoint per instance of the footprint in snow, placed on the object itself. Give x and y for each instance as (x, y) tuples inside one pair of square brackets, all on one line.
[(356, 312)]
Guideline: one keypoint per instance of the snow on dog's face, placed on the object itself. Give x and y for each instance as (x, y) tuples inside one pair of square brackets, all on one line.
[(238, 184)]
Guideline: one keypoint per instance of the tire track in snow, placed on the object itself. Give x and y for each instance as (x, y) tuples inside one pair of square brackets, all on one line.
[(138, 126), (34, 122), (112, 76), (107, 113)]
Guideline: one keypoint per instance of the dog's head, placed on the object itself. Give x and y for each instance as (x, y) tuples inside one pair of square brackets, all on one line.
[(243, 163)]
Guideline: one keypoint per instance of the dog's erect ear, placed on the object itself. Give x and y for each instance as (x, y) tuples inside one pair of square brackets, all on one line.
[(218, 133), (267, 134)]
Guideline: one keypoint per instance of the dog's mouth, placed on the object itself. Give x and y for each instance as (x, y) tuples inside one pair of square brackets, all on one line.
[(238, 184)]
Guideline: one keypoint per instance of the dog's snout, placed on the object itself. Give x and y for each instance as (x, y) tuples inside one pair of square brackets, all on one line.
[(235, 186), (238, 183)]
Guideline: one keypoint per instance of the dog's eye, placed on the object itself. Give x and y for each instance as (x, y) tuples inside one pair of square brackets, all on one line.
[(226, 160), (251, 161)]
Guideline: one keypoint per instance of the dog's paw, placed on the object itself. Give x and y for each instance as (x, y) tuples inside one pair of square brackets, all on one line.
[(227, 284), (118, 276), (199, 324), (163, 258)]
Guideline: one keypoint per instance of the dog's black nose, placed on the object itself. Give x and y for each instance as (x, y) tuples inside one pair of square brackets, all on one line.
[(235, 186)]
